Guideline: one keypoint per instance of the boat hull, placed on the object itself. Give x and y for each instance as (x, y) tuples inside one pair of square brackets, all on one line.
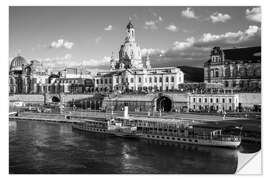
[(183, 140), (186, 140)]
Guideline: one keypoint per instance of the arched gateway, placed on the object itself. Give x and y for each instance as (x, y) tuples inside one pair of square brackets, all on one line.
[(164, 103)]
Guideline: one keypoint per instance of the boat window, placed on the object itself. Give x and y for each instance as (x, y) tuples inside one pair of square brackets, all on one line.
[(184, 139), (178, 139), (157, 136), (190, 140), (153, 136), (162, 137), (173, 138), (168, 138), (148, 136), (196, 140)]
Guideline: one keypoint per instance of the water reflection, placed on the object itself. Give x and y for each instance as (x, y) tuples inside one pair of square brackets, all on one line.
[(39, 147)]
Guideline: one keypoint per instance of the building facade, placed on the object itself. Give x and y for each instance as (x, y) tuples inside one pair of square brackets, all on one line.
[(26, 77), (213, 102), (238, 68)]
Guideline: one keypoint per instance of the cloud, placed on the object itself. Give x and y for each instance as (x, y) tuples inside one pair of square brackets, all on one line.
[(254, 14), (105, 61), (150, 25), (195, 51), (153, 24), (151, 52), (58, 61), (189, 13), (108, 28), (219, 17), (185, 44), (67, 61), (172, 28), (98, 39), (250, 36), (61, 43)]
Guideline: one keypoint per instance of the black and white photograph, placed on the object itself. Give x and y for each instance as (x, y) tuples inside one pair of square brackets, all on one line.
[(133, 89)]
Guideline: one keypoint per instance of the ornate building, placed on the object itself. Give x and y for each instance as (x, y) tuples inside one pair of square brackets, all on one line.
[(26, 77), (238, 68), (130, 73)]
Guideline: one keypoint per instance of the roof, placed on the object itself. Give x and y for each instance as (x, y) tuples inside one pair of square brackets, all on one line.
[(247, 54), (17, 62)]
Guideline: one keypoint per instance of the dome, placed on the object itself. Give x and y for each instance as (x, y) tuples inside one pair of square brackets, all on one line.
[(17, 63)]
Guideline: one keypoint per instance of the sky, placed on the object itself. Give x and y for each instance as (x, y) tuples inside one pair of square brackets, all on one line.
[(62, 37)]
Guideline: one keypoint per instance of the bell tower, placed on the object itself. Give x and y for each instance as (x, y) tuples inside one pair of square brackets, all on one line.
[(130, 32)]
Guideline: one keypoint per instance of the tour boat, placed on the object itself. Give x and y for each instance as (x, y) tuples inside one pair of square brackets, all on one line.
[(169, 130)]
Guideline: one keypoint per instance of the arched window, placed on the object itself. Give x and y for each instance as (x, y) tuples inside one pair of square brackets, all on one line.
[(217, 74)]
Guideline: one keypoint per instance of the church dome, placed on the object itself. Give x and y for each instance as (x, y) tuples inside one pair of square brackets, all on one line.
[(17, 63)]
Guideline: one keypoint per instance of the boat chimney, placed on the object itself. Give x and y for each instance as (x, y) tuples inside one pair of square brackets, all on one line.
[(126, 112)]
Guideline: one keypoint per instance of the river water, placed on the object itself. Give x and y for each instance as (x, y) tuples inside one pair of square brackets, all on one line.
[(54, 148)]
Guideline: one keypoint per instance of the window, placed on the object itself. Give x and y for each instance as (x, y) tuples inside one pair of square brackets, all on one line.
[(117, 80), (131, 80), (205, 100), (226, 83), (172, 79), (150, 80), (127, 80), (217, 100), (140, 79), (167, 79), (145, 80), (223, 100), (230, 100), (155, 79), (194, 99), (211, 100), (217, 74), (160, 79), (101, 81), (106, 81), (200, 100), (97, 81), (110, 80)]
